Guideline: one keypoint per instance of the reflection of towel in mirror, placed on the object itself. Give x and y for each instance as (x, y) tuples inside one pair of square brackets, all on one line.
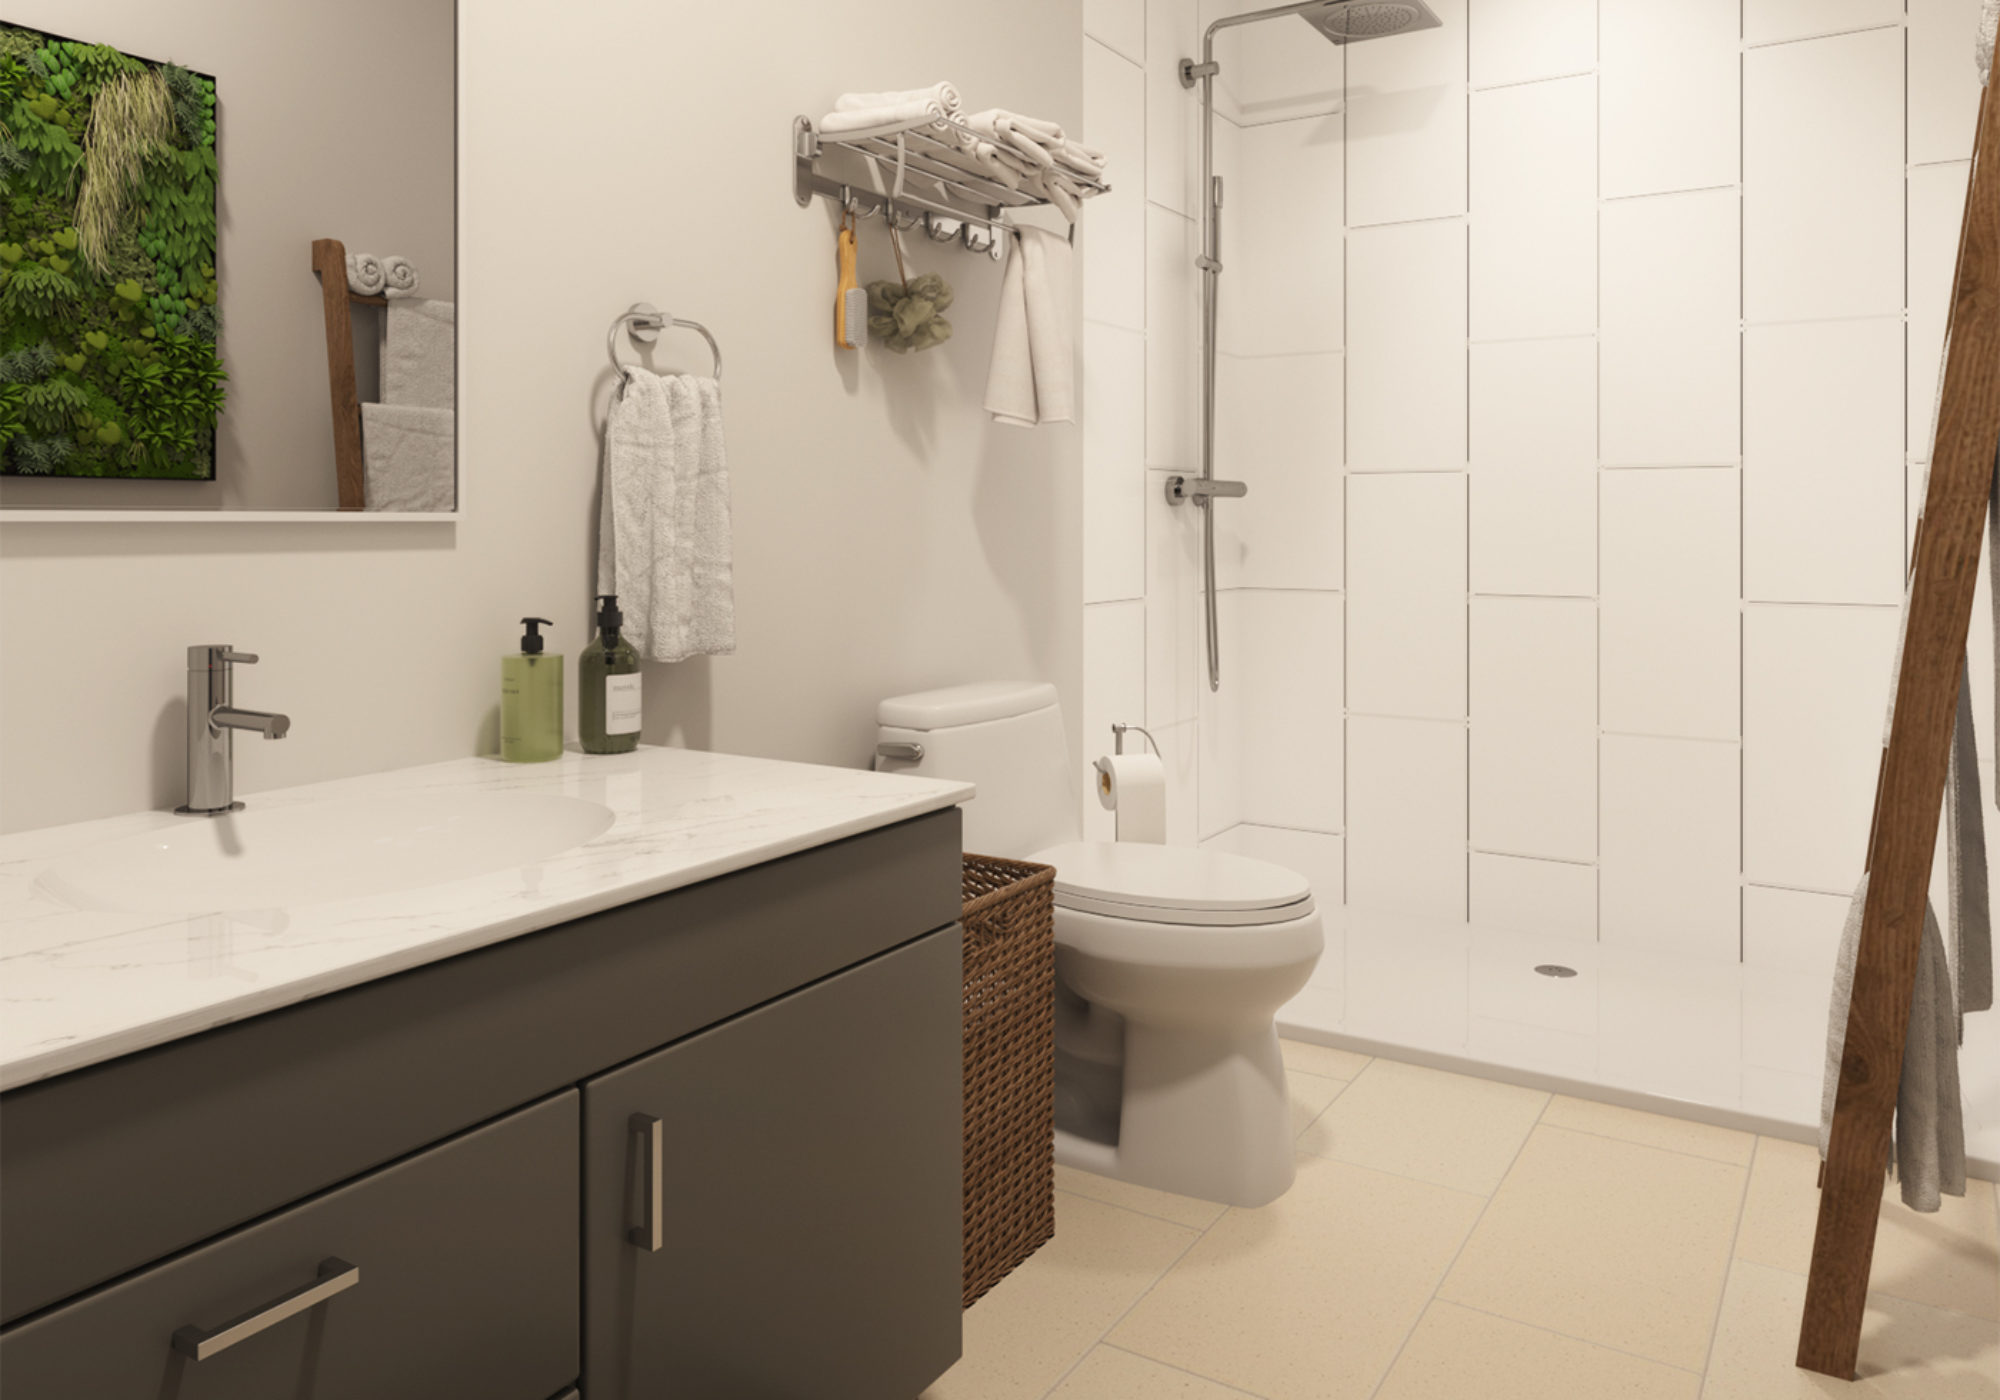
[(399, 276), (1930, 1119), (419, 360), (1989, 22), (663, 541), (408, 457)]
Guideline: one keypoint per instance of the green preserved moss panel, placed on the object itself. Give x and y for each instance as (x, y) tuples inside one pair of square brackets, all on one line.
[(108, 322)]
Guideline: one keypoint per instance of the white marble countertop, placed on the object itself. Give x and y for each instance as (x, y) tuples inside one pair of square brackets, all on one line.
[(79, 985)]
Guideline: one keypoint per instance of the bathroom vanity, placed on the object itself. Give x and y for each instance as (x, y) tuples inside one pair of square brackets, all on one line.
[(671, 1112)]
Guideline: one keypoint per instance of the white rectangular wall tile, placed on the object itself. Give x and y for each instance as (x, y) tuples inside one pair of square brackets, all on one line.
[(1815, 687), (1313, 854), (1534, 210), (1282, 225), (1406, 594), (1406, 309), (1670, 369), (1114, 243), (1175, 646), (1114, 463), (1944, 81), (1773, 21), (1823, 462), (1937, 212), (1406, 816), (1518, 41), (1822, 170), (1279, 429), (1173, 113), (1669, 615), (1173, 340), (1114, 689), (1797, 930), (1180, 748), (1534, 467), (1668, 863), (1285, 663), (1406, 124), (1118, 23), (1534, 727), (1671, 95), (1512, 894)]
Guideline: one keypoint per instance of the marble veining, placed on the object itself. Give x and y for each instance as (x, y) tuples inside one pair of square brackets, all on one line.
[(81, 985)]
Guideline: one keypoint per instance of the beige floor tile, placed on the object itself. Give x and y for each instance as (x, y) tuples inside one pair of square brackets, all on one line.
[(1182, 1210), (1323, 1060), (1307, 1298), (1447, 1129), (1609, 1241), (1040, 1319), (1309, 1095), (1908, 1351), (1110, 1374), (1457, 1353), (1652, 1129), (1948, 1260)]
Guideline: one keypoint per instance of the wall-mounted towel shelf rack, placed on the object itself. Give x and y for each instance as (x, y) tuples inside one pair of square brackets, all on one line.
[(951, 203), (643, 323)]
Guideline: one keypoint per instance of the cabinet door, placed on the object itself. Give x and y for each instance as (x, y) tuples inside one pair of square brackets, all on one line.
[(806, 1172), (451, 1273)]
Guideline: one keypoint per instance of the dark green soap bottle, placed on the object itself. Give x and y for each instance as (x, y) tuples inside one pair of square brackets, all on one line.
[(608, 710)]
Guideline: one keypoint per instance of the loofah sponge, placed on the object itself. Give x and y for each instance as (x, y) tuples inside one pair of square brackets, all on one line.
[(910, 316)]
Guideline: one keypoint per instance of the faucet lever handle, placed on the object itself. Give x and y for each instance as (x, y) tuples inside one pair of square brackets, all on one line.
[(245, 658)]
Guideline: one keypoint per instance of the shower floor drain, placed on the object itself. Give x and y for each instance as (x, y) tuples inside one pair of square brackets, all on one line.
[(1555, 970)]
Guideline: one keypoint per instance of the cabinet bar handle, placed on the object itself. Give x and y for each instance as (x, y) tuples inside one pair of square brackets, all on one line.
[(650, 1233), (335, 1276)]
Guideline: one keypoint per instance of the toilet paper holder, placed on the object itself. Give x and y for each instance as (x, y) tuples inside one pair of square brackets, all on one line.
[(1118, 732)]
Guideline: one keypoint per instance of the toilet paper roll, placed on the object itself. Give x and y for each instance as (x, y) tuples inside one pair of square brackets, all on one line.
[(1134, 785)]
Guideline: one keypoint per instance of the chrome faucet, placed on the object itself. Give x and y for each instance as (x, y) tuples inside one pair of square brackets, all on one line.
[(212, 722)]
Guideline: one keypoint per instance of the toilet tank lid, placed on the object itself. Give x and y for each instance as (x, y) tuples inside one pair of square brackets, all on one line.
[(965, 704)]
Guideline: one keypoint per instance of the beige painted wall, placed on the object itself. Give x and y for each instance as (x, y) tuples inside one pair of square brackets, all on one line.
[(887, 537), (328, 128)]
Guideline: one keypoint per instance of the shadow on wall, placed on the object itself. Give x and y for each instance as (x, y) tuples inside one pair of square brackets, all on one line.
[(679, 704), (169, 751)]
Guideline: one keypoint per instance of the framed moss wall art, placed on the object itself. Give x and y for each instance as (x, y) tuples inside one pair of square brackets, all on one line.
[(109, 360)]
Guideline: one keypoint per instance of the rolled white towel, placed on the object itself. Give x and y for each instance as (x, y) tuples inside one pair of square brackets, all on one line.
[(944, 94), (883, 121), (365, 275), (399, 276)]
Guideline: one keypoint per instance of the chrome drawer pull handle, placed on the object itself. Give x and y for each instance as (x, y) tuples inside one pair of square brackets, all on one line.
[(650, 1233), (335, 1276)]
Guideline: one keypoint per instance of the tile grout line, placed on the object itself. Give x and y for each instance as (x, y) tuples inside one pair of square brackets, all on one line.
[(1571, 1337), (1729, 1266), (1182, 1370), (1459, 1253)]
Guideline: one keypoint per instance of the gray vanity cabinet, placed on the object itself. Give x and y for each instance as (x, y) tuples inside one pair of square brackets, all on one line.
[(450, 1273), (771, 1207)]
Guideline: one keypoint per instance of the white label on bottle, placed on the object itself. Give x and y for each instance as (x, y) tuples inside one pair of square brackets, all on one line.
[(621, 704)]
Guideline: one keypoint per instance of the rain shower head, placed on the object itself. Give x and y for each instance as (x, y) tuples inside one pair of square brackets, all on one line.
[(1351, 21)]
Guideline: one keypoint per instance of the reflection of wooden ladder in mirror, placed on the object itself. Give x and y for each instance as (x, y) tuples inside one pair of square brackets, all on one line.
[(1909, 794), (329, 260)]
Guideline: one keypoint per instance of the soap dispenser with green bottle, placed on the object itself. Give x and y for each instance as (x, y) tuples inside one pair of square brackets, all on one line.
[(608, 710), (531, 699)]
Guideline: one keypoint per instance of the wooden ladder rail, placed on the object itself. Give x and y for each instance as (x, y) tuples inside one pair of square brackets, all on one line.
[(1909, 793), (329, 260)]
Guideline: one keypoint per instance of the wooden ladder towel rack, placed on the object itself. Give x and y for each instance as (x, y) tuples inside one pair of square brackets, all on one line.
[(1909, 794), (329, 260)]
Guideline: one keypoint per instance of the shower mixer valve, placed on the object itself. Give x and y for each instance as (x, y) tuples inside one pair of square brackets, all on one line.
[(1201, 489)]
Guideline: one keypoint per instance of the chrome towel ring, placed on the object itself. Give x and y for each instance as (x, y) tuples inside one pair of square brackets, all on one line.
[(643, 323)]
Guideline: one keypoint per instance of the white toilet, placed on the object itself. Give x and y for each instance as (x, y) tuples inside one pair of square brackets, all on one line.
[(1171, 963)]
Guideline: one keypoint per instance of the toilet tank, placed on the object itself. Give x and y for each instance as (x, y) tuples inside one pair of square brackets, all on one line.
[(1006, 739)]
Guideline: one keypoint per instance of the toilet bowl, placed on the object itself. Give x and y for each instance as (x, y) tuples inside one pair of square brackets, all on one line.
[(1171, 963)]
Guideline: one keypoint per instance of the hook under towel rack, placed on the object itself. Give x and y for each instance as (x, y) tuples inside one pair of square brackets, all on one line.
[(643, 323), (964, 206)]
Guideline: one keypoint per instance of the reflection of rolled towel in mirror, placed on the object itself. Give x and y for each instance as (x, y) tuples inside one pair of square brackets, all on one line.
[(366, 276), (401, 276)]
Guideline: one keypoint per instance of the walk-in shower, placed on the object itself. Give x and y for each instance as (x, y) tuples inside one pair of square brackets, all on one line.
[(1341, 22)]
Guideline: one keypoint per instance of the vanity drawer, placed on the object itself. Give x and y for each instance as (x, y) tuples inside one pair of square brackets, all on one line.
[(451, 1273)]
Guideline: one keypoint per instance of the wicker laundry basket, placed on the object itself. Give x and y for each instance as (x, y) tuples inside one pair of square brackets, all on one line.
[(1010, 961)]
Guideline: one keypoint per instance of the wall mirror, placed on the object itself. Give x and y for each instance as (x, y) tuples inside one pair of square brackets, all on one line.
[(228, 260)]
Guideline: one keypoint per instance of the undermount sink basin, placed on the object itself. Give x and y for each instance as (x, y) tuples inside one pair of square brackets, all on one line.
[(320, 852)]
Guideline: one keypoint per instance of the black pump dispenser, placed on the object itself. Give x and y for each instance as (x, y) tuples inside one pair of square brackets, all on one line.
[(531, 640), (609, 618)]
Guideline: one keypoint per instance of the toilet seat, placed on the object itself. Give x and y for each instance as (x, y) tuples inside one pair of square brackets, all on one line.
[(1174, 885)]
